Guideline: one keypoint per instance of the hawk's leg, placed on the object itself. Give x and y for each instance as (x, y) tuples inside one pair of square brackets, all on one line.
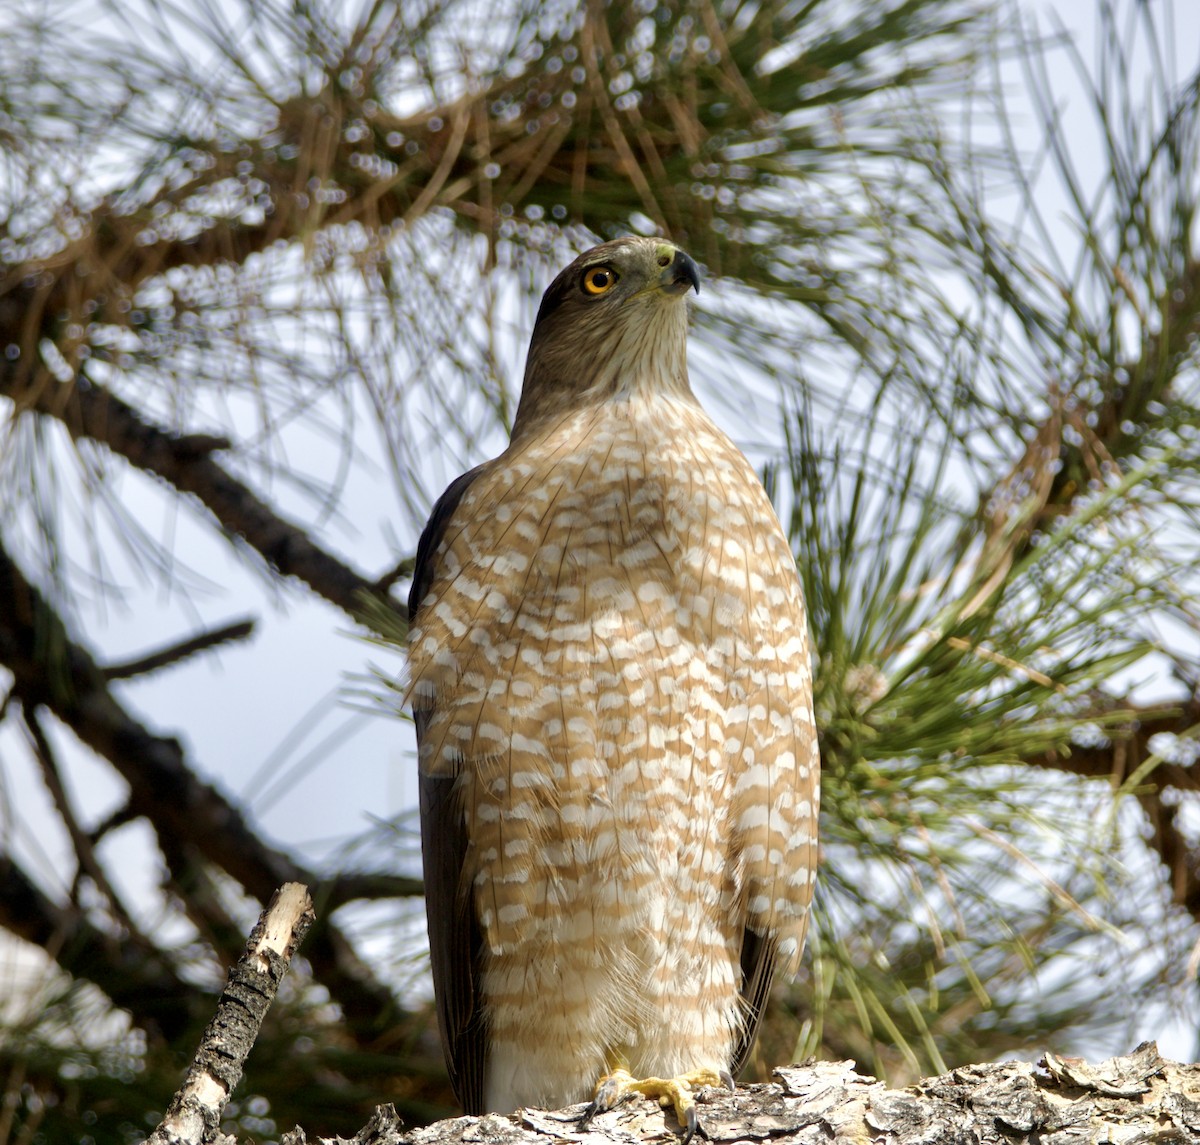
[(619, 1085)]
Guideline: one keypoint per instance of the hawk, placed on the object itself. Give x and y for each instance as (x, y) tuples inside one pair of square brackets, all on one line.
[(609, 673)]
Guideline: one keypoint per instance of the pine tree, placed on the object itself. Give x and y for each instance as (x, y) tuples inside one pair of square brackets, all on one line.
[(259, 257)]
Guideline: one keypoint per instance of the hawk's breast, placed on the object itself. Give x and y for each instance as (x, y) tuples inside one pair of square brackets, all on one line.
[(612, 655)]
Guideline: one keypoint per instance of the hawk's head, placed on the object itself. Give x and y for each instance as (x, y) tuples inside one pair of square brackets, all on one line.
[(612, 322)]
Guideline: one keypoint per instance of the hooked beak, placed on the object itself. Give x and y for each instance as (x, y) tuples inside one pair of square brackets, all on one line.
[(680, 274)]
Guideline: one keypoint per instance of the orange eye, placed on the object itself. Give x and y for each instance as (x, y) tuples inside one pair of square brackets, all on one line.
[(599, 279)]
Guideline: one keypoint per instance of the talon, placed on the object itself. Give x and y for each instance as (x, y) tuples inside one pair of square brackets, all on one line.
[(610, 1092), (727, 1081)]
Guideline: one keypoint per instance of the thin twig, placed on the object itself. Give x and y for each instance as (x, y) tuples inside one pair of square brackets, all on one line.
[(174, 653)]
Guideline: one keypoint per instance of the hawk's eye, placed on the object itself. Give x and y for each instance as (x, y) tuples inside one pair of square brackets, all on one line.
[(599, 279)]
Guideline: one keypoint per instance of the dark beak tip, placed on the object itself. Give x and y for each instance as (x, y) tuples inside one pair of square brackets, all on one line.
[(686, 271), (679, 274)]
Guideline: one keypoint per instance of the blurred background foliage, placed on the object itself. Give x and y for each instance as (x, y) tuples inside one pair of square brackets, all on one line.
[(266, 275)]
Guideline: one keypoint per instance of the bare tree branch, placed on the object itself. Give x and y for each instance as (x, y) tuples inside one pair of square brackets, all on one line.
[(367, 886), (194, 1115), (89, 411), (134, 975), (52, 671), (85, 852), (174, 653)]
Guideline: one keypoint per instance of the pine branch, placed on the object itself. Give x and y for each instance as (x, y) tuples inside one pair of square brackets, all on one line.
[(85, 851), (134, 975), (524, 134), (175, 653), (90, 411), (366, 887), (50, 670), (1122, 753)]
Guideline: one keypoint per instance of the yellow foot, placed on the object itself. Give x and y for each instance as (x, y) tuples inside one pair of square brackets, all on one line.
[(679, 1092)]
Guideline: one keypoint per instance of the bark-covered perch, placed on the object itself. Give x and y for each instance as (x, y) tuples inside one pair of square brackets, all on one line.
[(1140, 1099), (1135, 1100)]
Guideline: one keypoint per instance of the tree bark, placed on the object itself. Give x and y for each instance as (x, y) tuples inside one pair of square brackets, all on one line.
[(194, 1115), (1138, 1098), (1059, 1101)]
